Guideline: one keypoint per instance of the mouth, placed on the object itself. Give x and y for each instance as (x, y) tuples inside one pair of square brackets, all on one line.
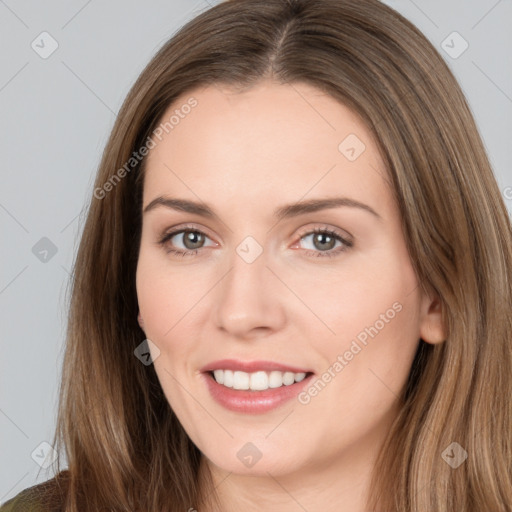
[(254, 387), (256, 381)]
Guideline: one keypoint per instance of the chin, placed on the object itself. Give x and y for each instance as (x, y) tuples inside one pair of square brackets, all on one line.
[(255, 459)]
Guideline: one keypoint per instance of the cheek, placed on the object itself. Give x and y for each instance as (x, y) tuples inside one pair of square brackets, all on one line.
[(362, 291), (154, 300), (173, 305), (164, 300), (366, 367), (164, 294), (372, 312)]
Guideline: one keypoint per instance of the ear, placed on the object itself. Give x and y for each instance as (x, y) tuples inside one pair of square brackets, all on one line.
[(141, 321), (432, 328)]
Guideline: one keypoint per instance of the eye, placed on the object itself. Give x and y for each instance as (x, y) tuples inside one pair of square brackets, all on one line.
[(323, 242), (191, 239)]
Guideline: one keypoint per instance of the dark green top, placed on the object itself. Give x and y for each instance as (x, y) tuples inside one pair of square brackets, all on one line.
[(25, 501), (44, 497)]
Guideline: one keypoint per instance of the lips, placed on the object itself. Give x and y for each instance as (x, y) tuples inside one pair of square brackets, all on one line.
[(252, 366), (260, 398)]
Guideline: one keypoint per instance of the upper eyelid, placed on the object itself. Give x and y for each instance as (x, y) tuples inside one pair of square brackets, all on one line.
[(180, 229), (337, 231)]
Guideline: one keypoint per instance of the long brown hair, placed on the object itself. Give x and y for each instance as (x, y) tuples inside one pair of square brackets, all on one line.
[(126, 450)]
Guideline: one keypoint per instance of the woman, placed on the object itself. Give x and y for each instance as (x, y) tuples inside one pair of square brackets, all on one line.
[(294, 284)]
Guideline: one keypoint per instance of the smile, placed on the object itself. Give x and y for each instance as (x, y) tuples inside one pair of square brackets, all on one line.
[(253, 387), (256, 381)]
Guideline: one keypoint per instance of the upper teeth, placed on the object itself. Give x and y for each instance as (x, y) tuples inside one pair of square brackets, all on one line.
[(256, 381)]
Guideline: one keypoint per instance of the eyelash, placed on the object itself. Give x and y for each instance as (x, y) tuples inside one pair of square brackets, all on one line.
[(346, 244)]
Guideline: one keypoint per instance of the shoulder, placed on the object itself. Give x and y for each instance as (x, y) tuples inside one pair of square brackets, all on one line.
[(26, 501), (48, 496)]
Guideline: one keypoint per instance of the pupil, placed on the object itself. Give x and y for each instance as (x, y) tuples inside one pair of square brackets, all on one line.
[(189, 239), (324, 238)]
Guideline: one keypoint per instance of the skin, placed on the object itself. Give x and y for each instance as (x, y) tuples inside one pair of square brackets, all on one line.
[(245, 154)]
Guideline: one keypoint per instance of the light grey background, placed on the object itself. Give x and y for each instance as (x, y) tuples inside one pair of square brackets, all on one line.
[(55, 116)]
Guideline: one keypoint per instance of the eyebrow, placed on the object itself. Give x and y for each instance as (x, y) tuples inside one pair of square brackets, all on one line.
[(287, 211)]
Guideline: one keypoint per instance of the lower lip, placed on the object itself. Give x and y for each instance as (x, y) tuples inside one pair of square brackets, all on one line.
[(254, 402)]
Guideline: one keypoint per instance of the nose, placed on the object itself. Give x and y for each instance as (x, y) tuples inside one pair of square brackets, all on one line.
[(249, 300)]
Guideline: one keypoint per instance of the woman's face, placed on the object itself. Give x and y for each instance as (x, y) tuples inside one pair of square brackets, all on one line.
[(290, 260)]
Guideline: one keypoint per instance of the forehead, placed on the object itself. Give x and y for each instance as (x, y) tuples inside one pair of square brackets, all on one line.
[(270, 141)]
